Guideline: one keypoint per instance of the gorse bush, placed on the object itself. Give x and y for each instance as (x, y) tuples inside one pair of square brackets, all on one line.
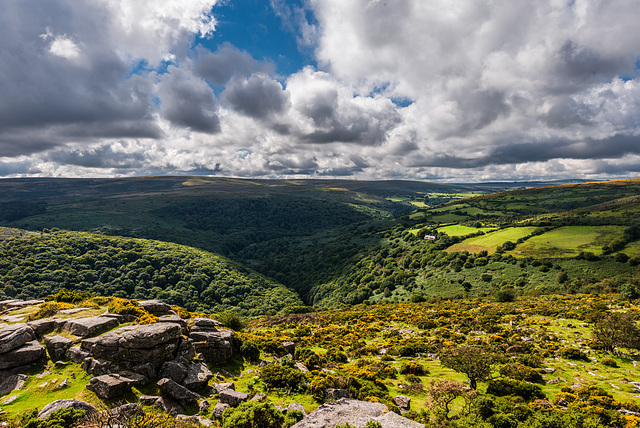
[(283, 377), (253, 414)]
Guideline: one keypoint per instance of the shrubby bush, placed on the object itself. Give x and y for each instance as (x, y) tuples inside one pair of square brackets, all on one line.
[(519, 371), (283, 377), (573, 354), (253, 414), (505, 387)]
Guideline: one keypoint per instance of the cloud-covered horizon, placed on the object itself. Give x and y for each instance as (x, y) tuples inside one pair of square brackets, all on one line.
[(414, 89)]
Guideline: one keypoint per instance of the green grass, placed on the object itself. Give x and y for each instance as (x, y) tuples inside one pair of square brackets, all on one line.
[(460, 230), (490, 241), (568, 241)]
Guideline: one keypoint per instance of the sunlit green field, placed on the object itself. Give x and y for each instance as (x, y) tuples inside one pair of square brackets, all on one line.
[(569, 241), (490, 241)]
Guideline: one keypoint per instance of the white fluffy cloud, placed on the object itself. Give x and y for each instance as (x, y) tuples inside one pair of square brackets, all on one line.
[(427, 89)]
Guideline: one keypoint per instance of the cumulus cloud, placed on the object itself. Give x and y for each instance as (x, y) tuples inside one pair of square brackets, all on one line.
[(259, 96), (226, 62)]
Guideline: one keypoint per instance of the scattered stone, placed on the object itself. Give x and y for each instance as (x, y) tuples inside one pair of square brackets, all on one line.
[(65, 404), (13, 383), (19, 304), (259, 397), (197, 419), (63, 384), (204, 406), (76, 354), (59, 364), (178, 392), (73, 310), (114, 385), (298, 365), (15, 335), (219, 409), (297, 406), (629, 412), (331, 394), (28, 353), (232, 398), (10, 399), (289, 347), (198, 375), (219, 387), (403, 402), (174, 319), (90, 326), (394, 420), (169, 406), (549, 370)]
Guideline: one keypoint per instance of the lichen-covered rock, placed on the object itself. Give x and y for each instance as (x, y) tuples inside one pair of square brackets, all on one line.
[(178, 392), (114, 385), (289, 347), (219, 409), (28, 353), (356, 413), (232, 398), (215, 347), (43, 326), (76, 354), (15, 335), (198, 375), (65, 404), (174, 370), (12, 383), (90, 326), (331, 394), (156, 307), (296, 406), (153, 343), (57, 346), (403, 402)]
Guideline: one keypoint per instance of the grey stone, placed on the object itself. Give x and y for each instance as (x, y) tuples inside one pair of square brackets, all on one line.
[(114, 385), (12, 383), (219, 409), (43, 326), (403, 403), (169, 406), (148, 400), (289, 347), (219, 387), (204, 406), (28, 353), (76, 354), (154, 343), (90, 326), (356, 413), (98, 366), (198, 375), (18, 304), (394, 420), (118, 416), (65, 404), (206, 323), (156, 307), (232, 398), (296, 406), (215, 347), (298, 365), (57, 346), (15, 335), (186, 350), (259, 397), (174, 319), (195, 419), (331, 394), (178, 392), (173, 370)]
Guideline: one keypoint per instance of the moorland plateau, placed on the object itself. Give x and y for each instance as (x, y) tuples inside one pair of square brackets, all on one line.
[(493, 305)]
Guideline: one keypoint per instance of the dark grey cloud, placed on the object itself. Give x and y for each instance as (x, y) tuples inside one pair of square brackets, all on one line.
[(566, 112), (258, 96), (188, 102), (102, 156), (226, 62)]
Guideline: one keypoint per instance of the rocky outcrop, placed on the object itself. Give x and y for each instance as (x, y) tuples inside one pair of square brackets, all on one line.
[(232, 398), (91, 326), (14, 336), (156, 307), (28, 353), (57, 346), (65, 404), (12, 383), (215, 347), (115, 385), (219, 409), (178, 392), (331, 394), (356, 413), (43, 326), (131, 345), (198, 375), (403, 402)]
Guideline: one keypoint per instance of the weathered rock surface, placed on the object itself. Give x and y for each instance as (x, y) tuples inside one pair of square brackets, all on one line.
[(114, 385), (18, 304), (403, 402), (57, 346), (289, 347), (119, 415), (219, 387), (198, 375), (356, 413), (43, 326), (76, 354), (154, 343), (215, 346), (156, 307), (196, 419), (219, 409), (174, 370), (296, 406), (331, 394), (14, 336), (178, 392), (65, 404), (28, 353), (91, 326), (167, 405), (12, 383), (231, 397)]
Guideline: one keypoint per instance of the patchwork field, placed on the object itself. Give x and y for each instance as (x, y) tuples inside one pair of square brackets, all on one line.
[(490, 241)]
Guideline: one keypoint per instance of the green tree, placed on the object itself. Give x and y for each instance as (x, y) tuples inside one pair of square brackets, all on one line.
[(614, 329), (473, 361)]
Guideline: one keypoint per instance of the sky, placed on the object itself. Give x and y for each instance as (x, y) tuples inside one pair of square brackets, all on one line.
[(436, 90)]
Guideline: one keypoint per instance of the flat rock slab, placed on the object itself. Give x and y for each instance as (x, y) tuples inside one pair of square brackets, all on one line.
[(43, 326), (231, 397), (12, 383), (356, 413), (91, 326), (156, 307), (178, 392), (65, 404), (198, 375), (114, 385), (18, 304), (57, 346), (14, 336), (28, 353)]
